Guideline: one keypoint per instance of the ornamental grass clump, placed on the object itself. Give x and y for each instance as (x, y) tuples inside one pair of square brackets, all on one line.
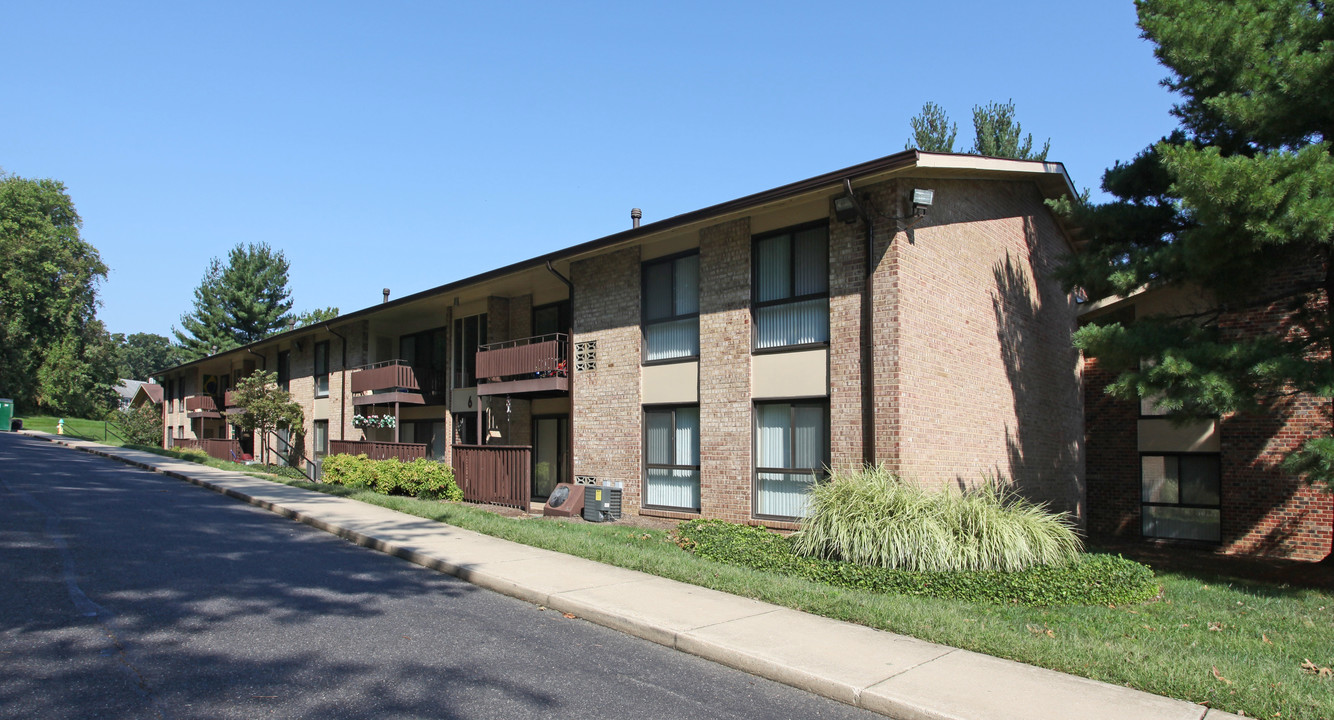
[(872, 517)]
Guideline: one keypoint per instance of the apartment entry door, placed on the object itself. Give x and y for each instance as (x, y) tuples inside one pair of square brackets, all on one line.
[(551, 446)]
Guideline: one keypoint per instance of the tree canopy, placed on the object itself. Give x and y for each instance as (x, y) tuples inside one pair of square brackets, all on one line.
[(53, 352), (238, 303), (139, 355), (996, 133), (1238, 202)]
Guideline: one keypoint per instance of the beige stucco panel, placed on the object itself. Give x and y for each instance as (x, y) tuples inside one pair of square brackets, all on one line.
[(320, 408), (672, 383), (1160, 435), (790, 375), (463, 400)]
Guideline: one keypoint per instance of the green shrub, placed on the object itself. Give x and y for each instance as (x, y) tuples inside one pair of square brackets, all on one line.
[(420, 478), (1088, 580), (871, 517)]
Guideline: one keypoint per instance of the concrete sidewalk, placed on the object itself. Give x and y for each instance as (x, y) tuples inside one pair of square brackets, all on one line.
[(893, 675)]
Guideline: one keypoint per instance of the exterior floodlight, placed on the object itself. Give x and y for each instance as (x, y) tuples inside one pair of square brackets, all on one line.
[(845, 209), (921, 200)]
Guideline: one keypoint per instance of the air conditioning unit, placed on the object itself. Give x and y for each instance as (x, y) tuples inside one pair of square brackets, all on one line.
[(602, 503), (566, 500)]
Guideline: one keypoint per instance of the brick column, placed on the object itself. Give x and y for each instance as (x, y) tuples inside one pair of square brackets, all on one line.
[(724, 371)]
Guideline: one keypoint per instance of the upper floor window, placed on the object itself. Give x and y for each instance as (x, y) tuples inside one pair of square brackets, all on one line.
[(553, 318), (322, 369), (791, 287), (671, 308), (469, 335), (285, 370)]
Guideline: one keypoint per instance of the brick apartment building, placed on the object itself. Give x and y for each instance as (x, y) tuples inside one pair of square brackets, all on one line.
[(714, 363), (1216, 482)]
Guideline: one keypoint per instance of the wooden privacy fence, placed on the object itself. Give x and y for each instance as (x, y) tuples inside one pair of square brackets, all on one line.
[(495, 474), (215, 447), (407, 452)]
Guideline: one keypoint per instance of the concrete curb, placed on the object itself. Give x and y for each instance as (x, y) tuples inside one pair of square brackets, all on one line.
[(911, 691)]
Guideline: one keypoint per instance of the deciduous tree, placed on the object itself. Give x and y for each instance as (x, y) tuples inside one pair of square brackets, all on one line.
[(267, 408)]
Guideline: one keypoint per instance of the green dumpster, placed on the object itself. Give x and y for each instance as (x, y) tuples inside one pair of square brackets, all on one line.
[(6, 413)]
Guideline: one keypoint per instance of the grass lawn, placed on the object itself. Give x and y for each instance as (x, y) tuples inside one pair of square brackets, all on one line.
[(1236, 645), (77, 428)]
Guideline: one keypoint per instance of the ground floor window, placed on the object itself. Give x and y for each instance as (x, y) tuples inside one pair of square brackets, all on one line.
[(671, 455), (1180, 497), (791, 453), (321, 438)]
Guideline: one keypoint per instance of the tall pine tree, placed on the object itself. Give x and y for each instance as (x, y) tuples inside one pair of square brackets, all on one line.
[(238, 303), (1241, 195)]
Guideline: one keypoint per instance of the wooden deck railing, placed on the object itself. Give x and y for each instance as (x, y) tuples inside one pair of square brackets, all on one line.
[(407, 452), (391, 375), (198, 403), (495, 474)]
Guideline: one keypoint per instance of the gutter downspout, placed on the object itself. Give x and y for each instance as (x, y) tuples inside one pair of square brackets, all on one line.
[(867, 333), (569, 365), (342, 383)]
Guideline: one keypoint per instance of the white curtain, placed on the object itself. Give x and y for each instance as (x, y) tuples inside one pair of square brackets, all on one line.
[(675, 339), (666, 298)]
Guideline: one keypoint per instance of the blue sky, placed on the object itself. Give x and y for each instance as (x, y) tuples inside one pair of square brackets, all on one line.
[(408, 144)]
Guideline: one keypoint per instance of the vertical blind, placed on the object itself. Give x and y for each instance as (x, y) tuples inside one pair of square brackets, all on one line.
[(789, 267), (671, 290), (672, 439), (791, 447)]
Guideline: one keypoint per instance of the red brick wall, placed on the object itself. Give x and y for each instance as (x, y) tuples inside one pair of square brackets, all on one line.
[(607, 412), (724, 371), (1112, 451), (986, 380)]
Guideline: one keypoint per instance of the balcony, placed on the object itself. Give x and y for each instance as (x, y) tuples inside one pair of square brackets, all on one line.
[(392, 381), (528, 366), (229, 403), (202, 406)]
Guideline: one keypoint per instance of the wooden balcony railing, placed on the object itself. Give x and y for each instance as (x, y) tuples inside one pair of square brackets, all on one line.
[(407, 452), (229, 399), (537, 364), (201, 403), (495, 474), (395, 381)]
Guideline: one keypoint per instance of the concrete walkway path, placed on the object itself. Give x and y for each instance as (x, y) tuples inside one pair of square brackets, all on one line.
[(893, 675)]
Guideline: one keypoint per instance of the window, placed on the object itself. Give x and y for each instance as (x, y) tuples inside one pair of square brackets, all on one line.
[(284, 370), (790, 288), (1180, 496), (321, 438), (553, 318), (671, 457), (791, 452), (469, 334), (322, 369), (670, 311), (428, 353)]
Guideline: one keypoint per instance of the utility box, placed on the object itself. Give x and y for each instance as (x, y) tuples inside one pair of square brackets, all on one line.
[(602, 503), (6, 413)]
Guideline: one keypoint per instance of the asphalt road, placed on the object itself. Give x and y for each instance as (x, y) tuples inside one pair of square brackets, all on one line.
[(127, 594)]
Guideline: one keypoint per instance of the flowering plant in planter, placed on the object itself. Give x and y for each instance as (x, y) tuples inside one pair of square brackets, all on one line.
[(373, 421)]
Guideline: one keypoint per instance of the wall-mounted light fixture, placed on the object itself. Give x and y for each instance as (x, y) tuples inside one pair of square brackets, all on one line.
[(921, 200)]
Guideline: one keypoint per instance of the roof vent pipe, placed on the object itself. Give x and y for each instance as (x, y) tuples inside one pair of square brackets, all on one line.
[(635, 214), (386, 295)]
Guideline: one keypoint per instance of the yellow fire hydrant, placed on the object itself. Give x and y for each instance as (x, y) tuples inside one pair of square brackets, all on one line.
[(60, 426)]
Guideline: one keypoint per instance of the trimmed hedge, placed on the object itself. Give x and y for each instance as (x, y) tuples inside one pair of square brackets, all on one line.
[(1093, 579), (421, 478)]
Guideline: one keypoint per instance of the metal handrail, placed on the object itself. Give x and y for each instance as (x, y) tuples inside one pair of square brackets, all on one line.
[(519, 342), (292, 450)]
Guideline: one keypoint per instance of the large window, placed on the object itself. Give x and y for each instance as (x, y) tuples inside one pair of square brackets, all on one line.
[(1179, 496), (671, 454), (469, 334), (428, 354), (791, 452), (322, 369), (790, 288), (671, 308), (552, 318)]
